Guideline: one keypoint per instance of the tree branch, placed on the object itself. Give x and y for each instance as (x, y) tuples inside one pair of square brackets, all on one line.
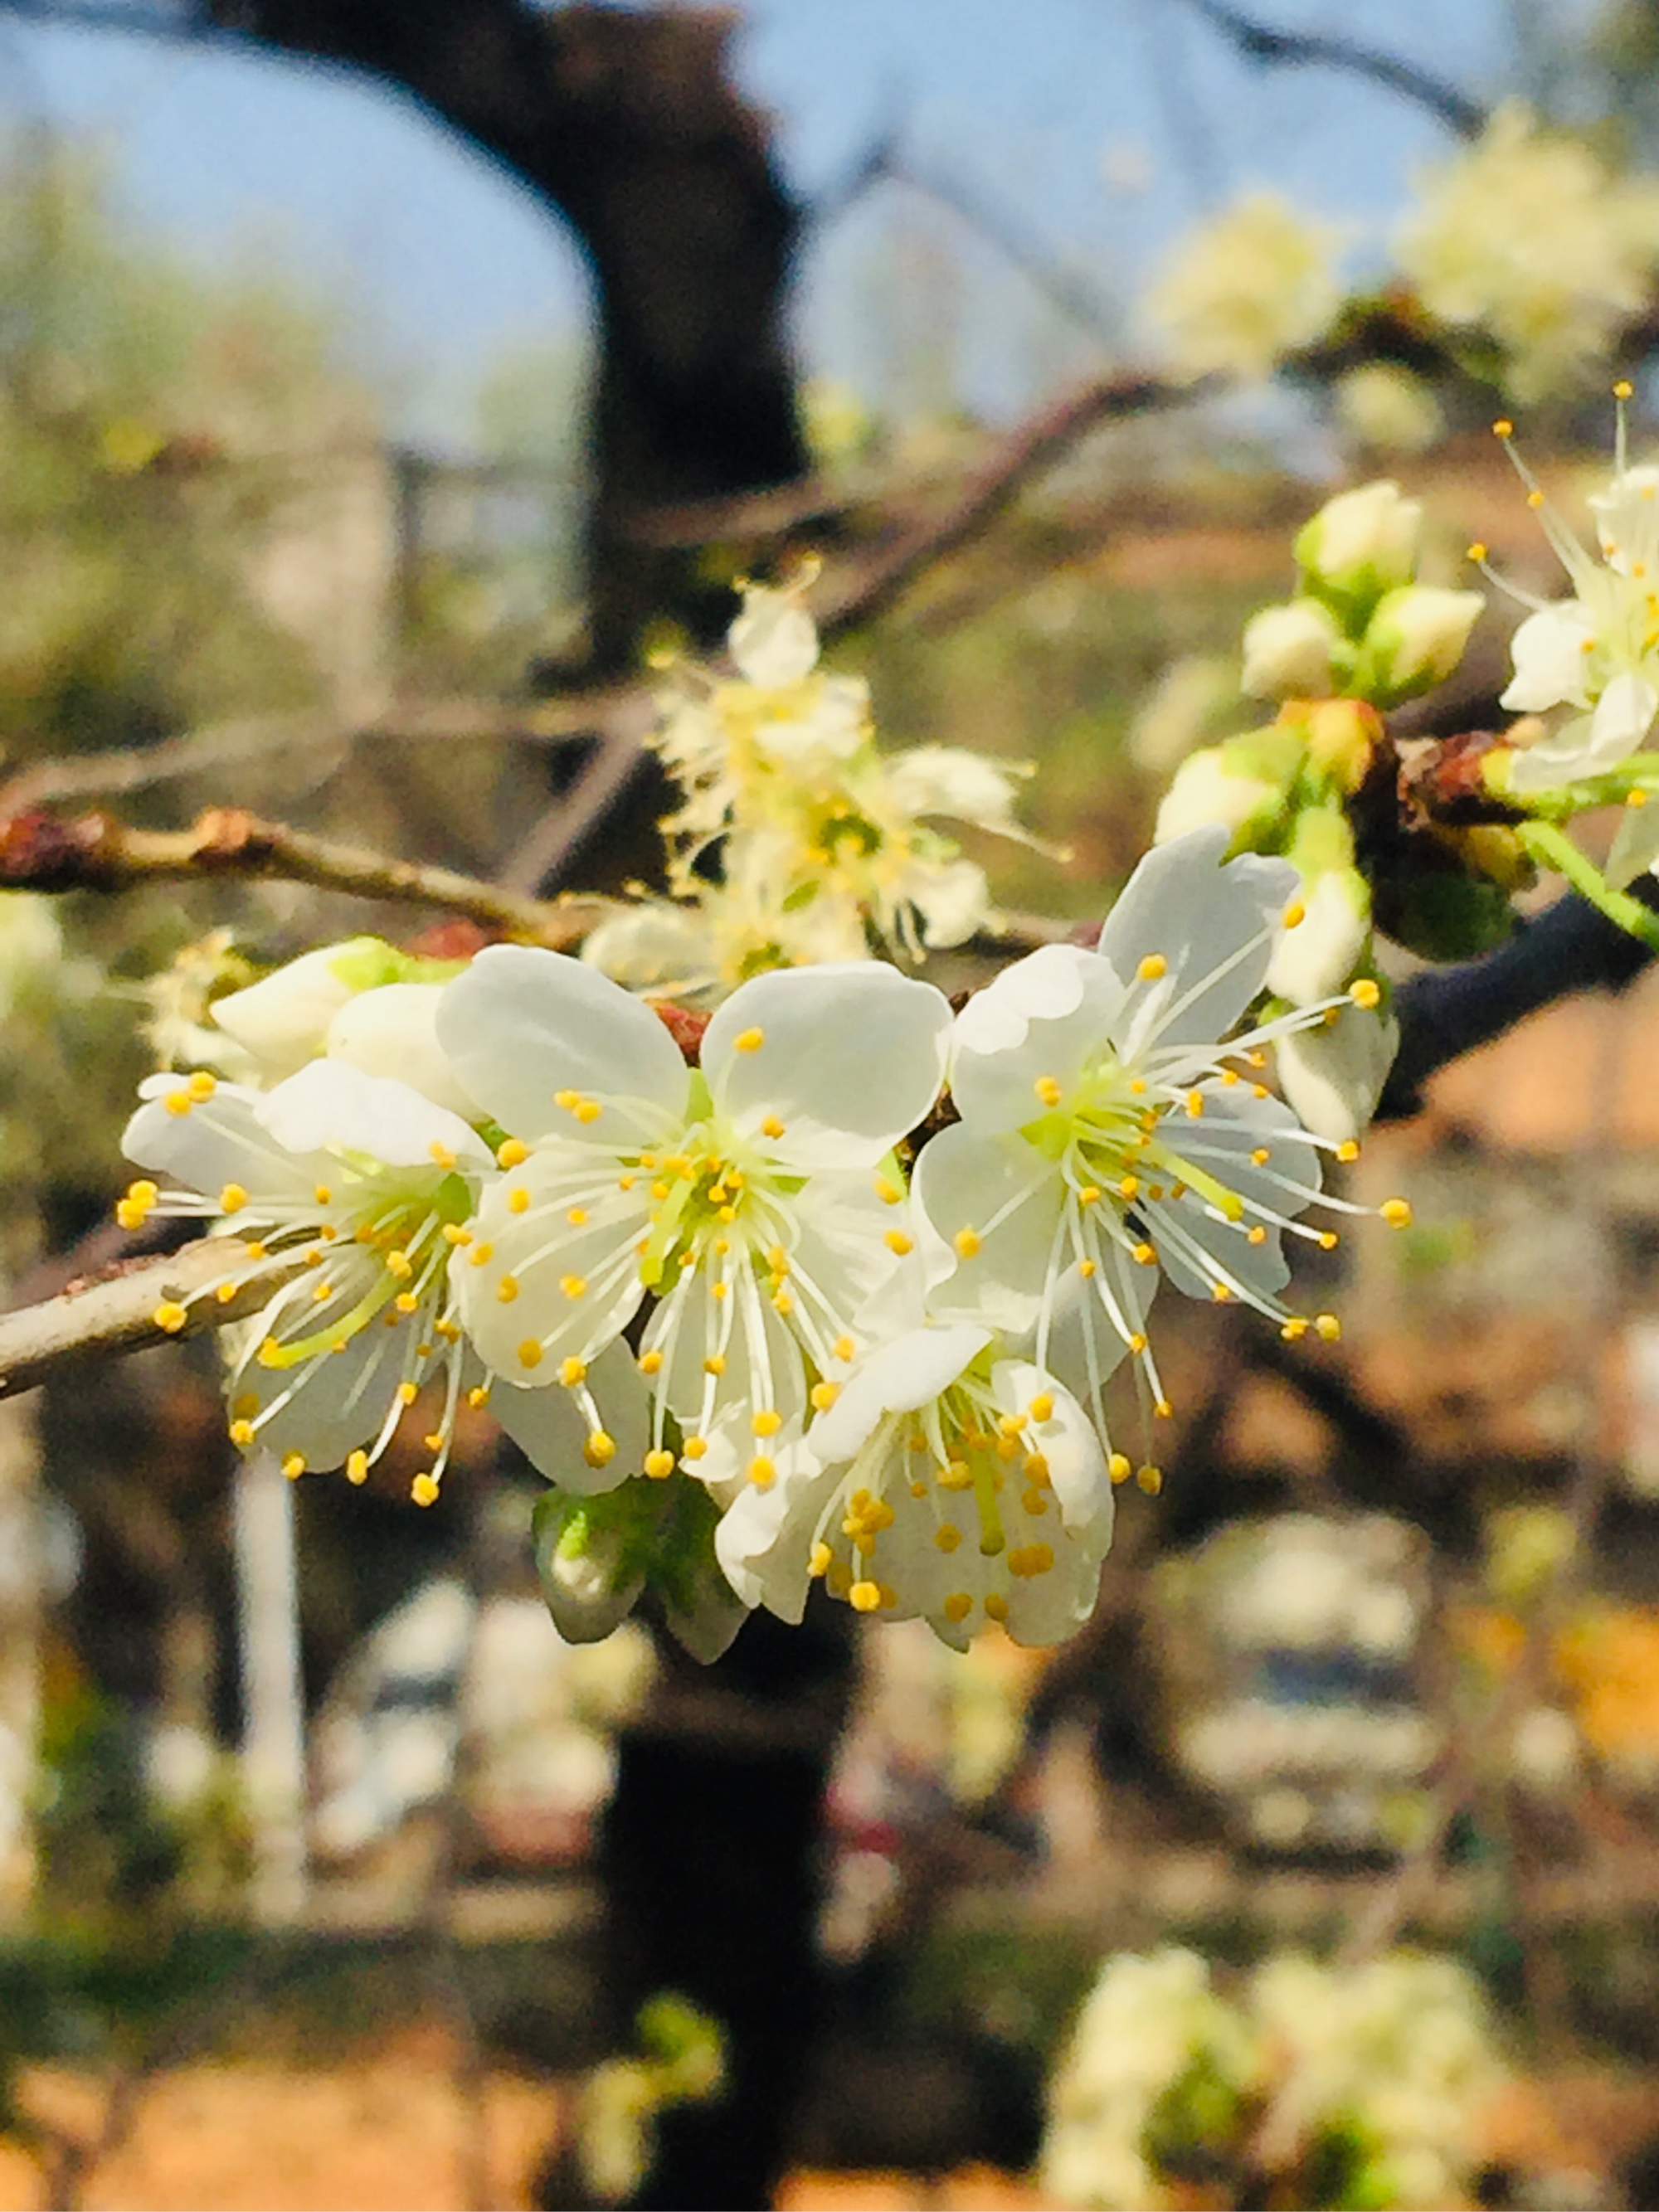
[(116, 1313), (91, 851), (1270, 49)]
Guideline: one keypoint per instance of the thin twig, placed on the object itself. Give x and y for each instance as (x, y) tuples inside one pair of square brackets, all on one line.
[(91, 851), (116, 1314), (1270, 49)]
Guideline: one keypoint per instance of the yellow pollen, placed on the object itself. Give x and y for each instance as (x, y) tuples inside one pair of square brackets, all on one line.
[(1258, 1235), (660, 1190), (529, 1352), (771, 1127), (1635, 798), (1397, 1212), (865, 1597), (512, 1154), (626, 1182), (1347, 1151), (434, 1442), (356, 1467), (448, 1330), (1365, 993), (269, 1352), (728, 1213), (996, 1607), (399, 1264), (843, 1347), (818, 1564), (716, 1363), (315, 1257), (478, 1396), (897, 1242), (762, 1471), (1151, 1479), (967, 1243), (1042, 1407), (958, 1607), (824, 1396), (232, 1199), (225, 1293), (441, 1154), (201, 1086), (1260, 1156), (888, 1193), (170, 1315), (482, 1254), (1477, 551), (599, 1450), (424, 1490), (720, 1293), (455, 1235), (574, 1286), (408, 1392), (1089, 1195), (1153, 967), (1194, 1103), (323, 1194), (294, 1465), (589, 1110), (518, 1200), (1086, 1268), (241, 1432), (506, 1290), (783, 1303), (566, 1100), (749, 1039), (1622, 390), (1145, 1254), (1295, 915), (1294, 1330), (766, 1423), (1118, 1467), (178, 1101), (946, 1537), (1329, 1240), (1327, 1328), (1136, 1343), (659, 1464), (1034, 1468), (1129, 1186), (1138, 1087), (650, 1363), (1503, 428), (695, 1448), (1047, 1089)]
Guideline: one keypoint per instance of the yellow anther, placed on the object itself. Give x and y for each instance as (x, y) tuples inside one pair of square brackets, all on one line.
[(1194, 1103), (1151, 1479), (566, 1101), (478, 1396), (650, 1363), (749, 1039), (323, 1194), (1348, 1151), (728, 1213), (1294, 1330), (1136, 1342), (574, 1286), (434, 1442), (1086, 1268), (241, 1432), (589, 1110), (783, 1303), (572, 1372), (1622, 390), (626, 1182), (1365, 993), (599, 1450), (955, 1475), (441, 1154), (482, 1255), (178, 1101), (824, 1396), (865, 1597), (762, 1471), (507, 1289), (996, 1607), (517, 1199), (232, 1199), (1047, 1089), (202, 1086), (455, 1235), (897, 1242), (322, 1293), (1295, 915), (1138, 1086), (1034, 1468), (170, 1315), (399, 1264), (424, 1490), (356, 1467), (1042, 1407), (946, 1537), (1477, 551), (819, 1563), (771, 1127), (529, 1352), (1144, 1255), (720, 1293), (695, 1448), (716, 1363), (269, 1353), (1328, 1328), (659, 1464), (1503, 428), (408, 1392), (1118, 1467), (660, 1191), (766, 1423), (293, 1466), (512, 1154), (1257, 1235), (958, 1607), (1397, 1212), (1089, 1195), (967, 1242), (843, 1347), (1329, 1240), (315, 1257), (888, 1193), (1153, 967), (225, 1293), (448, 1330), (1635, 798)]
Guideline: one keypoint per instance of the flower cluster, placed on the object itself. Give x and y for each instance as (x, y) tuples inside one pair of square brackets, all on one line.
[(706, 1300), (1527, 239), (1247, 287), (824, 845), (1317, 2086)]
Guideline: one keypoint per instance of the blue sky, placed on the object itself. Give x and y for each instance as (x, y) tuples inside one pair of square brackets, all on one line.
[(1103, 126)]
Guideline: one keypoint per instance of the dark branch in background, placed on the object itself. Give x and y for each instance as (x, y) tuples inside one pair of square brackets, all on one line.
[(1270, 49), (1446, 1011)]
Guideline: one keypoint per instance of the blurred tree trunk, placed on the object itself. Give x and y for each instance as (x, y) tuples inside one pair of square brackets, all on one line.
[(626, 126)]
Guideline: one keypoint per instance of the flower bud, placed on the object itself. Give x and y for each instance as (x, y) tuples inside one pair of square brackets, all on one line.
[(588, 1578), (393, 1030), (1360, 544), (1332, 1077), (283, 1020), (1316, 958), (1220, 783), (774, 641), (1340, 736), (1414, 640), (1293, 652)]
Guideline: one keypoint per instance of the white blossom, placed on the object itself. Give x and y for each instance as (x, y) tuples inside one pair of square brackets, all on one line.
[(753, 1195), (944, 1480), (1243, 290), (1291, 652)]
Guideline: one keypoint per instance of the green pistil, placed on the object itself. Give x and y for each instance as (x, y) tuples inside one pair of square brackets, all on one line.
[(991, 1537), (324, 1339), (1226, 1202)]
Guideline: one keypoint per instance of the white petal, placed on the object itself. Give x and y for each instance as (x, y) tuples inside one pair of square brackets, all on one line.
[(284, 1018), (331, 1104), (216, 1143), (1635, 845), (1548, 654), (394, 1031), (1315, 959), (952, 897), (1205, 921), (962, 1181), (522, 1026), (551, 1428), (1334, 1077), (849, 1058), (899, 1378), (1048, 1015), (341, 1399), (571, 1289), (1077, 1465), (949, 779), (764, 1542), (773, 640)]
